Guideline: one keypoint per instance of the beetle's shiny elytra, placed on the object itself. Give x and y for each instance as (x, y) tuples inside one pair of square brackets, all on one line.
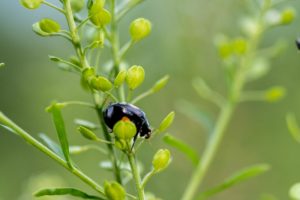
[(116, 111)]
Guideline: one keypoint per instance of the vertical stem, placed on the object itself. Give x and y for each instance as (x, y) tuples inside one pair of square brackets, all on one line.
[(209, 152), (115, 47), (112, 153), (136, 176), (84, 63), (74, 34), (226, 110)]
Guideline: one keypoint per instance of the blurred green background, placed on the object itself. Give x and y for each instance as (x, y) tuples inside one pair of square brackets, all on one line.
[(181, 45)]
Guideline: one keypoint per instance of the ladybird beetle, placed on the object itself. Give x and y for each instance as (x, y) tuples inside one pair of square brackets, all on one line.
[(116, 111)]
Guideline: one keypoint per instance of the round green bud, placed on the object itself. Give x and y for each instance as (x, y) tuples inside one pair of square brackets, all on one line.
[(114, 191), (77, 5), (167, 121), (135, 76), (124, 129), (240, 46), (139, 29), (287, 16), (120, 78), (101, 17), (161, 160), (275, 94), (31, 4), (101, 83), (49, 26)]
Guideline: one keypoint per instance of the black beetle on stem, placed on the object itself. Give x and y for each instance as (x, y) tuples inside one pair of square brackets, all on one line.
[(116, 111)]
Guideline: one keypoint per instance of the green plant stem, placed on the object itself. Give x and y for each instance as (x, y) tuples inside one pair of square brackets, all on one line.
[(115, 47), (53, 6), (147, 178), (209, 152), (74, 34), (136, 176), (226, 111), (112, 153), (32, 141), (83, 61), (127, 8)]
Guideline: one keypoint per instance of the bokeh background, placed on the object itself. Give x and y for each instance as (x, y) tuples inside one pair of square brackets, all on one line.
[(181, 45)]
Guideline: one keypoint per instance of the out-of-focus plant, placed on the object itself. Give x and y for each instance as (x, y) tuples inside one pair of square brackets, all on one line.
[(92, 27), (243, 60)]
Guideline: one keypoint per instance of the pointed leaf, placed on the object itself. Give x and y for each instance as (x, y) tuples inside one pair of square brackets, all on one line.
[(51, 144), (86, 123), (65, 191), (237, 178), (195, 113), (293, 126), (182, 147), (61, 130)]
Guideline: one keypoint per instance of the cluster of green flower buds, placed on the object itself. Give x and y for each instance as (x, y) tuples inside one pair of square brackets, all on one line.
[(134, 77), (114, 191), (231, 47)]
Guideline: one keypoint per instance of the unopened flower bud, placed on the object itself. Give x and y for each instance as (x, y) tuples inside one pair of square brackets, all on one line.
[(125, 129), (275, 94), (101, 83), (160, 84), (161, 160), (167, 121), (240, 46), (120, 78), (77, 5), (87, 133), (114, 191), (49, 26), (31, 4), (135, 76), (100, 17), (140, 28), (86, 77), (287, 16)]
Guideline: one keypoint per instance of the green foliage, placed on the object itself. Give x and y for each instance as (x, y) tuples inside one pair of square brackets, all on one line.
[(189, 152), (59, 123), (235, 179), (66, 191)]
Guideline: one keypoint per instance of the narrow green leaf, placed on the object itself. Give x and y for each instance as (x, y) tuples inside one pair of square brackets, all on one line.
[(61, 130), (183, 147), (293, 126), (64, 64), (86, 123), (237, 178), (195, 113), (82, 149), (66, 191), (51, 144)]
